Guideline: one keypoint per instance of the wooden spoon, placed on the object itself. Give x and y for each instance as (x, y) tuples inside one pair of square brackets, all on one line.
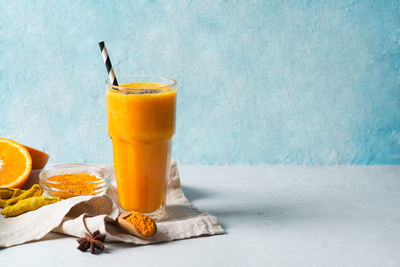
[(131, 228)]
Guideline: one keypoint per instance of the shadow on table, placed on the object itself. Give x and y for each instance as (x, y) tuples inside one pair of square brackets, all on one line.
[(192, 193), (223, 216)]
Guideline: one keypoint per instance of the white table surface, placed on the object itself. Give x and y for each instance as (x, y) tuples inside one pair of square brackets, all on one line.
[(272, 215)]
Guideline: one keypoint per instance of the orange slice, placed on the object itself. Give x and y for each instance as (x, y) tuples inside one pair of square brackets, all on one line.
[(39, 158), (15, 164)]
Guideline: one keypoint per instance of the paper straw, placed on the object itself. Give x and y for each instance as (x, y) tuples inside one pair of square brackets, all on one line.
[(107, 62)]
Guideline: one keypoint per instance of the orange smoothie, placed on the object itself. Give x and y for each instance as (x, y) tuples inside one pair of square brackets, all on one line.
[(141, 124)]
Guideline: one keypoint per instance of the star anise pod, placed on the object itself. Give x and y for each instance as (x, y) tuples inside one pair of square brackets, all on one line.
[(91, 241)]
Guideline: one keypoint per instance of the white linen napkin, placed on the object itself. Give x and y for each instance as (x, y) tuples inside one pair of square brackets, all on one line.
[(77, 215)]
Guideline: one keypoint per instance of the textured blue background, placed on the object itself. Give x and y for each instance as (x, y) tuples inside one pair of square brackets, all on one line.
[(280, 82)]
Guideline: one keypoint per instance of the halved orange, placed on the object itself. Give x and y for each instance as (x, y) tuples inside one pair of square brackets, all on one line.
[(39, 158), (15, 164)]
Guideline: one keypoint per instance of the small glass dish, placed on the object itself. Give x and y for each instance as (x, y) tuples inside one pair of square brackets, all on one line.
[(72, 189)]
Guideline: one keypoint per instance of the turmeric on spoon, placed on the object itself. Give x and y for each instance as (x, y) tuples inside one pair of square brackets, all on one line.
[(138, 224)]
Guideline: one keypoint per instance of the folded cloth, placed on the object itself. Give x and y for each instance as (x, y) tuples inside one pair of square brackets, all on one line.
[(77, 215)]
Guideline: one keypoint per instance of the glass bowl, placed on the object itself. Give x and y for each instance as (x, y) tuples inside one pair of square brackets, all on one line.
[(69, 189)]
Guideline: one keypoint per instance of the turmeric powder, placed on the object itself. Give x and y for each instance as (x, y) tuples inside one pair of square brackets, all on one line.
[(143, 223), (70, 185), (28, 204)]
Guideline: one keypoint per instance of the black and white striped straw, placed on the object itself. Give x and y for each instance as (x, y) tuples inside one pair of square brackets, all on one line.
[(107, 62)]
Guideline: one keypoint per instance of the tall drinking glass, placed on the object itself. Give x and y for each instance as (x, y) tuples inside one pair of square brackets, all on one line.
[(141, 123)]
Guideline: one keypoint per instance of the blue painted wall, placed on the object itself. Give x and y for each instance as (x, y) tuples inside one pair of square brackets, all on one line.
[(280, 82)]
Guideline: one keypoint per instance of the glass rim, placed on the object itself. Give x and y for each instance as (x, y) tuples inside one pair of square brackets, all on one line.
[(172, 83)]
